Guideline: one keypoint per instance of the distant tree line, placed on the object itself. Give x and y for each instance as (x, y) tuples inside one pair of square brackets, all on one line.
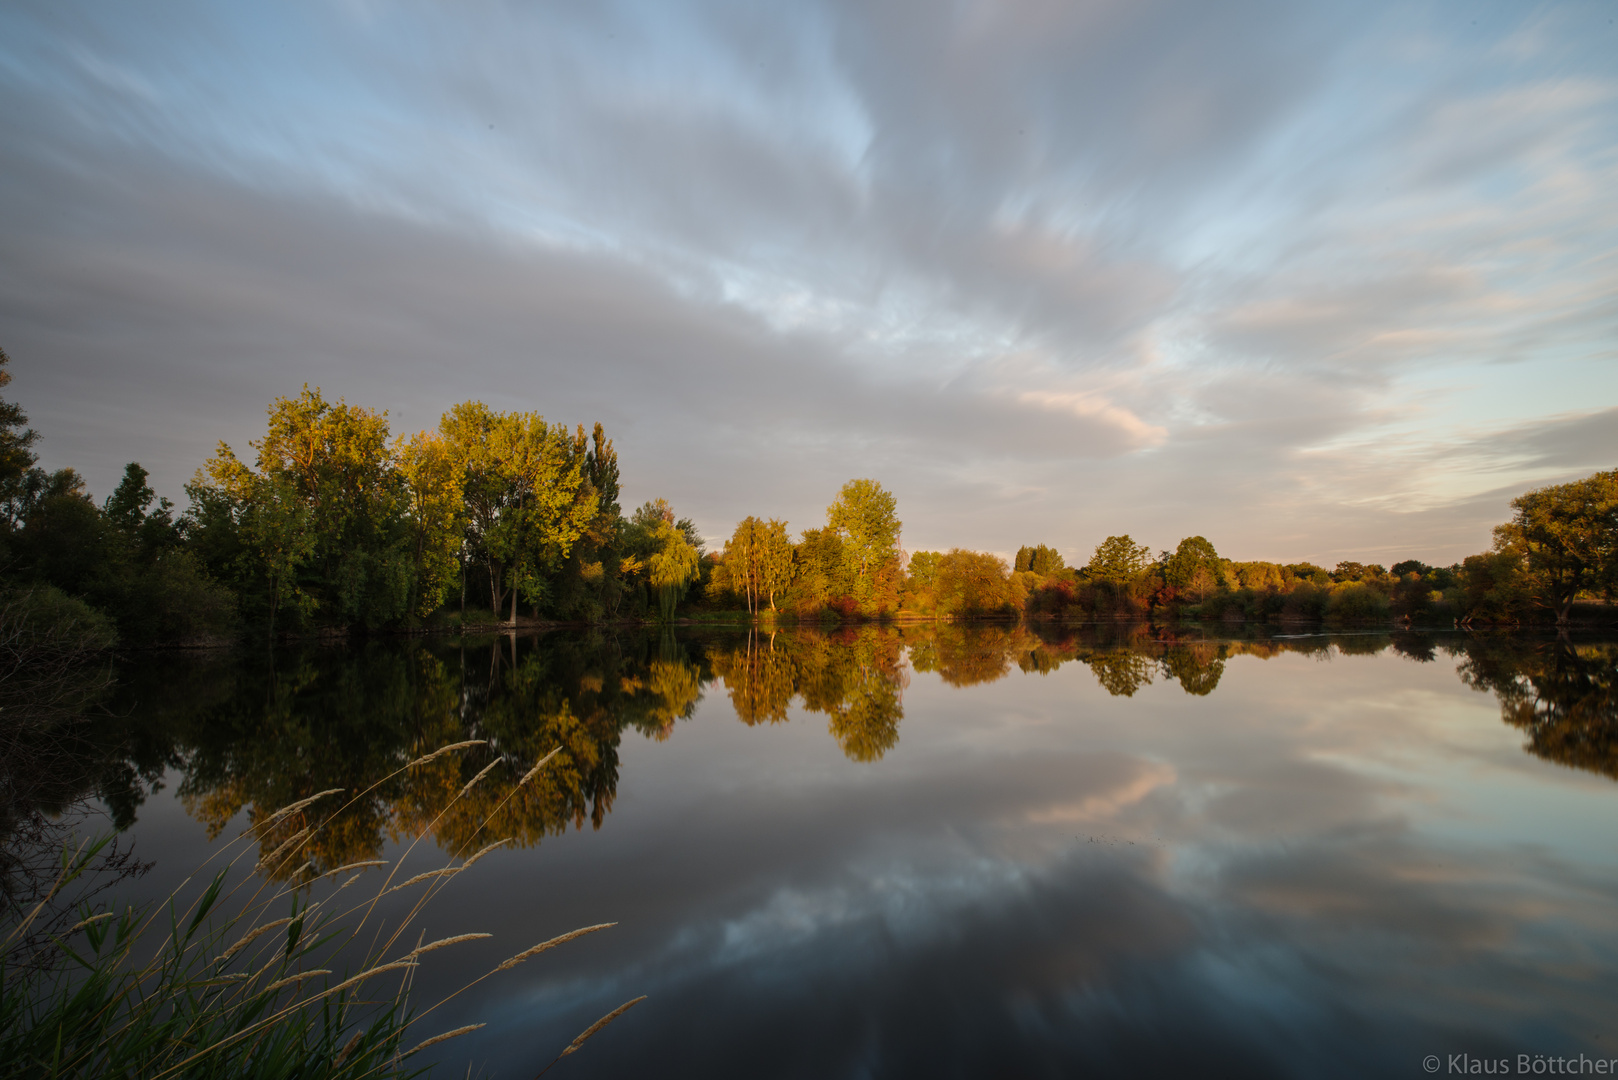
[(1559, 549), (335, 524)]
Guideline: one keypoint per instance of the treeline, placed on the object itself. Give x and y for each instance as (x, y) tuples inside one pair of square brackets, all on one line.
[(335, 524), (1559, 549)]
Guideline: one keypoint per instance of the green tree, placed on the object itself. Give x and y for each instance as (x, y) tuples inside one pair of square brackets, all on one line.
[(822, 572), (323, 510), (527, 498), (744, 560), (1567, 535), (972, 584), (260, 525), (776, 559), (864, 517), (1195, 569), (923, 569), (435, 517), (1118, 560), (1040, 560), (16, 452), (674, 562), (758, 559)]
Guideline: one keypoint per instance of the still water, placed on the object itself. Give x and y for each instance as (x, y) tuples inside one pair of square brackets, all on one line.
[(941, 852)]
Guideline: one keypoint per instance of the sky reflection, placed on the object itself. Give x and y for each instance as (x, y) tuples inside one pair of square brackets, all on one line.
[(1334, 861)]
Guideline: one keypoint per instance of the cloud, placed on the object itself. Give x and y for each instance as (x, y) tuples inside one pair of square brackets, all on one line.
[(1048, 271)]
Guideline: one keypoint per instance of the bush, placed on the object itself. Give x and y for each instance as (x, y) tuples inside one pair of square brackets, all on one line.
[(1357, 602), (44, 617), (1305, 601), (175, 602)]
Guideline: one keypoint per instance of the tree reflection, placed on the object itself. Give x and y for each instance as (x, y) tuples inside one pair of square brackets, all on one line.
[(1197, 666), (964, 654), (856, 677), (248, 735), (346, 719), (1564, 696)]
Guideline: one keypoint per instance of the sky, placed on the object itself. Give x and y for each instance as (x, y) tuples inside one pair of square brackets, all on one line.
[(1315, 281)]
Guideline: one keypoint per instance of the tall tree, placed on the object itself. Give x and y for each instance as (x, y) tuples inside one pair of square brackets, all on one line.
[(672, 561), (528, 500), (260, 525), (1567, 537), (864, 515), (1195, 568), (324, 507), (1118, 559), (435, 516), (743, 560), (16, 452), (775, 560)]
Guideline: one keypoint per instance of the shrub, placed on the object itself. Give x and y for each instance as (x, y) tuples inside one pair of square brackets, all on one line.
[(44, 617), (1305, 601), (1357, 602)]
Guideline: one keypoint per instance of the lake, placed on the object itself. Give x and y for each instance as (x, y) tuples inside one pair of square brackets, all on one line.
[(948, 851)]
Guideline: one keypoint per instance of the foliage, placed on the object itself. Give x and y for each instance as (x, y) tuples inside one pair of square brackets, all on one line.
[(758, 561), (864, 517), (673, 564), (1040, 560), (973, 584), (1357, 603), (1195, 569), (17, 457), (1118, 560), (1567, 538)]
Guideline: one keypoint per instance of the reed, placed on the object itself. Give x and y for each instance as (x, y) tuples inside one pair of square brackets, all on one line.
[(239, 982)]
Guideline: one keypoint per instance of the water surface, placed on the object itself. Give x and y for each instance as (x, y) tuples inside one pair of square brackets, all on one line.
[(952, 851)]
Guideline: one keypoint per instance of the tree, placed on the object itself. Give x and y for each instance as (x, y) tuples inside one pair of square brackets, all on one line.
[(16, 454), (674, 561), (323, 510), (435, 516), (269, 528), (1357, 571), (527, 499), (590, 584), (775, 559), (758, 560), (863, 516), (923, 569), (1118, 560), (1195, 568), (744, 562), (973, 583), (1040, 560), (1568, 538), (822, 571)]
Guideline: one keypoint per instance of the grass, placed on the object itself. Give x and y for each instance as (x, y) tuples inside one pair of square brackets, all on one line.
[(243, 981)]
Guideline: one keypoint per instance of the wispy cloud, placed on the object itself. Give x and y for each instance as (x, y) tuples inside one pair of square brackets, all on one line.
[(1300, 282)]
